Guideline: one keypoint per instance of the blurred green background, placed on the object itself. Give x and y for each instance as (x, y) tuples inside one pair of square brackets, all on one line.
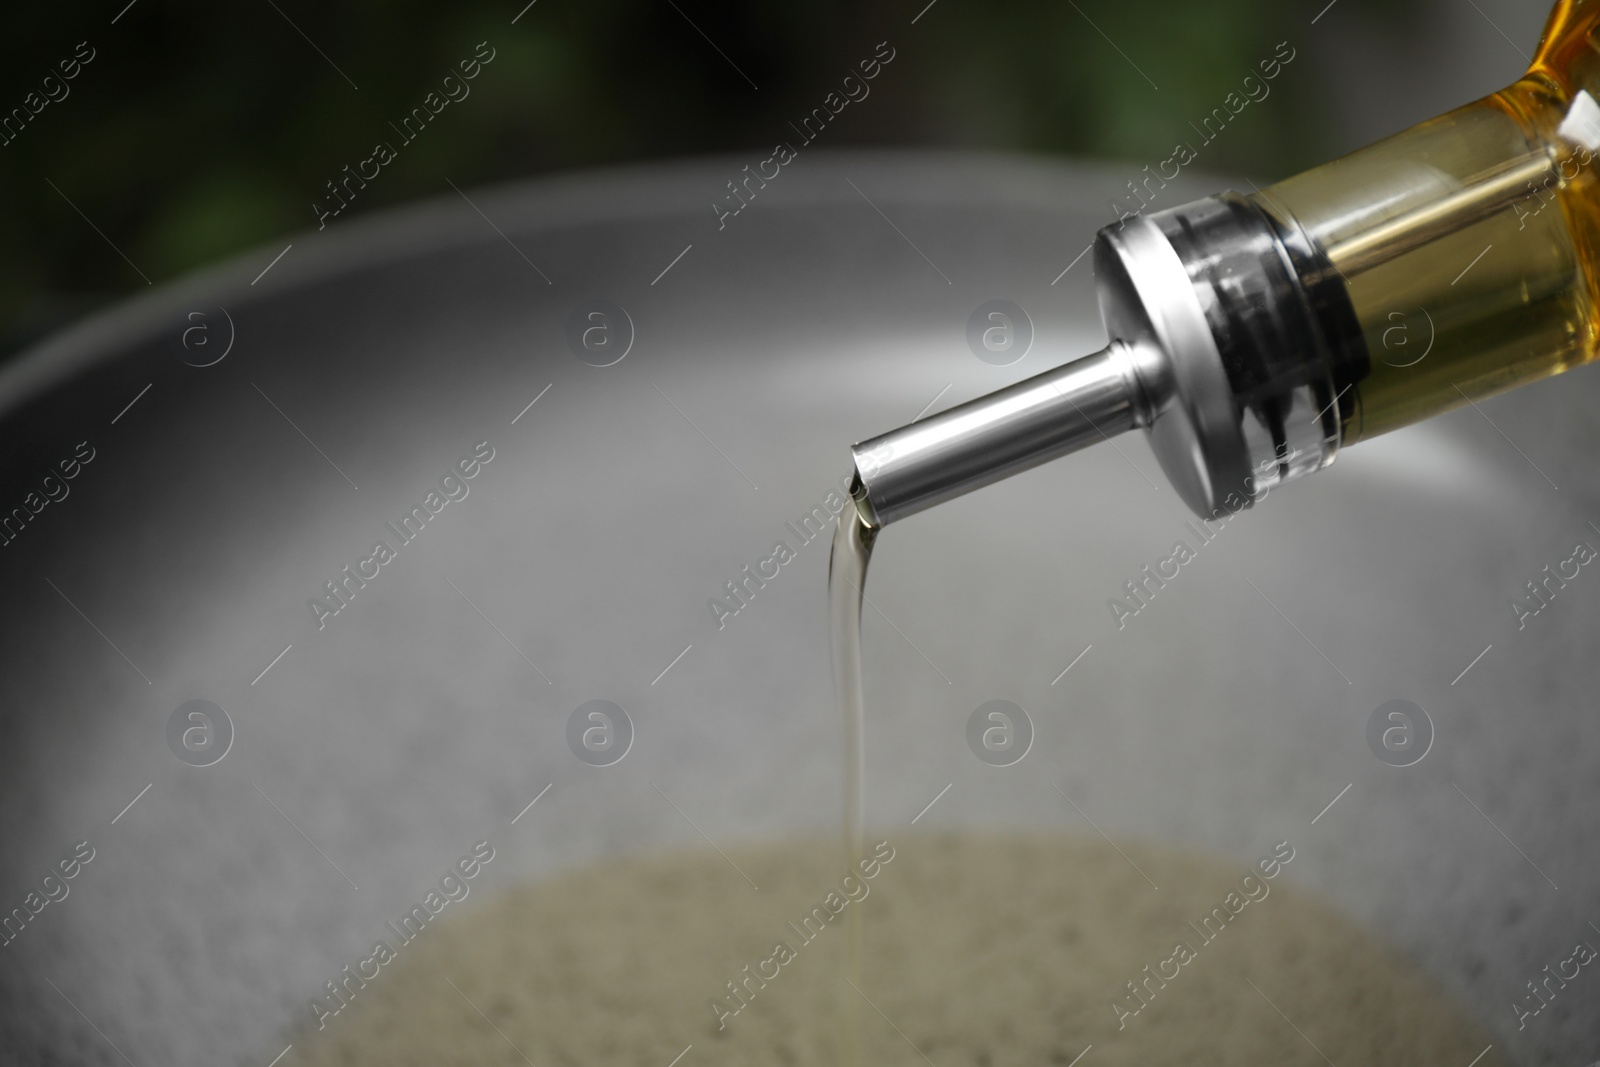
[(200, 130)]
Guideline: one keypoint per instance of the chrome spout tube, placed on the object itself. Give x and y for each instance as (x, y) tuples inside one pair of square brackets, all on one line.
[(995, 436)]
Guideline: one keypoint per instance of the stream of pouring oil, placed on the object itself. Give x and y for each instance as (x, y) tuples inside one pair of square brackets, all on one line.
[(847, 575)]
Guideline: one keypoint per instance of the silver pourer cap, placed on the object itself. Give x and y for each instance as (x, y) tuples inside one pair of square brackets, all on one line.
[(1228, 334)]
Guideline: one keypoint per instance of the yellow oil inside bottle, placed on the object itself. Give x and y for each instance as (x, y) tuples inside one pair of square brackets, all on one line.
[(1469, 244)]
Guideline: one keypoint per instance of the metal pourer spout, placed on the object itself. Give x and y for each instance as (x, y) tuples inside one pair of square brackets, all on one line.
[(1232, 340), (998, 435)]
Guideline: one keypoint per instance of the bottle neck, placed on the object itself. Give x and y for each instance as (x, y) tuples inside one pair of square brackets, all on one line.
[(1468, 246)]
